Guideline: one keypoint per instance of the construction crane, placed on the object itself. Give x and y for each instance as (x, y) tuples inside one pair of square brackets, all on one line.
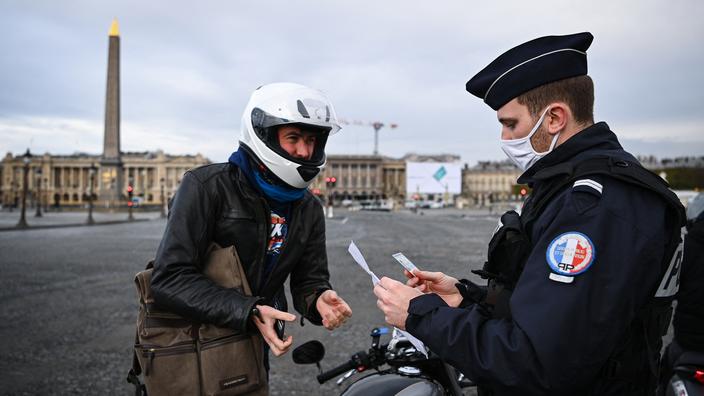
[(377, 125)]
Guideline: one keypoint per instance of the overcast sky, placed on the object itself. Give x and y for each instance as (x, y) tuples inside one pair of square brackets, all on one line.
[(188, 68)]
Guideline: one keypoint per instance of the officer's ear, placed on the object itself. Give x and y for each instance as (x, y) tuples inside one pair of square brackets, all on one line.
[(558, 117)]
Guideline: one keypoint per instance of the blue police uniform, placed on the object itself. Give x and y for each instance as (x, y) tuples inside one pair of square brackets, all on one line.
[(583, 324)]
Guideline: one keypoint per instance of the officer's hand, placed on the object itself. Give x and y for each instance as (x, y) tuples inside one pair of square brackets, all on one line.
[(266, 323), (333, 309), (393, 300), (435, 282)]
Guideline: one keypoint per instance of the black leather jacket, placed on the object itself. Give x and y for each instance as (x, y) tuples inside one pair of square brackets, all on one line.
[(216, 203)]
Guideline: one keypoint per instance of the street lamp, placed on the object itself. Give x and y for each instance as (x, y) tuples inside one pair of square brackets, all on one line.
[(39, 192), (46, 198), (12, 201), (144, 185), (26, 158), (161, 198), (91, 172)]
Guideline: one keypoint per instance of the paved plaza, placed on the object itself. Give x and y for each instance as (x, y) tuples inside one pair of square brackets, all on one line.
[(69, 305), (54, 219)]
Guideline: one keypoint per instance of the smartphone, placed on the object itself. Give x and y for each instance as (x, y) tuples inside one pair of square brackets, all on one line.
[(279, 326)]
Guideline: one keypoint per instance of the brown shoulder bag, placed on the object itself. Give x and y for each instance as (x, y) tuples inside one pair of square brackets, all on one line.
[(179, 357)]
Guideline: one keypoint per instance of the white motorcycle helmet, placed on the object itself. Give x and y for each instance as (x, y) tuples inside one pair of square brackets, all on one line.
[(273, 105)]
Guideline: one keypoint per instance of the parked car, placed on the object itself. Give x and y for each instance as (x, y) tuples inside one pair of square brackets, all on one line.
[(411, 204), (379, 205), (431, 205), (137, 201)]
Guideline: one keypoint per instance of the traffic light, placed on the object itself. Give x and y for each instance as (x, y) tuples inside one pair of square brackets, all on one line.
[(130, 191), (330, 181), (523, 192)]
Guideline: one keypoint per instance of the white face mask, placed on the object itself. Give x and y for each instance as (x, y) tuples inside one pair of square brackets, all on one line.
[(521, 151)]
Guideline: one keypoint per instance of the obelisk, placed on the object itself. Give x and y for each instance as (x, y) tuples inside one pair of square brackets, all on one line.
[(111, 167)]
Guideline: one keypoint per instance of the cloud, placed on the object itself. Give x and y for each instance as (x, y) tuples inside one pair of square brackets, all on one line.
[(51, 135), (675, 131), (187, 70)]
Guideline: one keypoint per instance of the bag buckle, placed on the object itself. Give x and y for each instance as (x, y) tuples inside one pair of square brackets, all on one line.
[(139, 388)]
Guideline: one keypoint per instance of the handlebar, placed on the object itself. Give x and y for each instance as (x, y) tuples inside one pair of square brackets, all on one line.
[(330, 374), (360, 361)]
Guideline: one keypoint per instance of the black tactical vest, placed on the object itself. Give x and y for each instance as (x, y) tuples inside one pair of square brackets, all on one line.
[(511, 245)]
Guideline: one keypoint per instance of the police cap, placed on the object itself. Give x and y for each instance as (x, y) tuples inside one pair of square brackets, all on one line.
[(530, 65)]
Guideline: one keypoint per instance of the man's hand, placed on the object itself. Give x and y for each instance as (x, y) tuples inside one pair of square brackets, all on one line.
[(333, 309), (266, 324), (435, 282), (393, 300)]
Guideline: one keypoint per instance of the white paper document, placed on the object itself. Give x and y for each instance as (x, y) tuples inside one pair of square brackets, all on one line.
[(359, 258)]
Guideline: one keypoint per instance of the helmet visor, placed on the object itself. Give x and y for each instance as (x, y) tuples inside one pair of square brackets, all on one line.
[(269, 129), (299, 106)]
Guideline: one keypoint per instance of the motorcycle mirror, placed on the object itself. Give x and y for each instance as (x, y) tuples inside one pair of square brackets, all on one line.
[(309, 353)]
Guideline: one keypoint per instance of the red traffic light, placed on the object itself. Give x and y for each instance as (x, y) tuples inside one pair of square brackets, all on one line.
[(129, 203), (524, 191), (333, 179), (129, 189), (328, 179)]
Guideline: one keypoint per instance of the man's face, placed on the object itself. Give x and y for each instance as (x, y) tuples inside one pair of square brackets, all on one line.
[(517, 122), (296, 142)]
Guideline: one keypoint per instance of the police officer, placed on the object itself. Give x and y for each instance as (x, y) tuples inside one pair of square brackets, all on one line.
[(581, 282)]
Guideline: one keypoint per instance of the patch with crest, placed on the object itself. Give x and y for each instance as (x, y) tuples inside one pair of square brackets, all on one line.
[(570, 253)]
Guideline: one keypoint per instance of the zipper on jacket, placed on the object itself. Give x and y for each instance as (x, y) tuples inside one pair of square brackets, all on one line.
[(266, 217)]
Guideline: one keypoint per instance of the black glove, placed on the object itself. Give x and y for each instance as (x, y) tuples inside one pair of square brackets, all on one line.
[(471, 293)]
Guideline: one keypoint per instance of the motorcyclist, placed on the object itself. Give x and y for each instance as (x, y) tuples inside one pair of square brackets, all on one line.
[(258, 201)]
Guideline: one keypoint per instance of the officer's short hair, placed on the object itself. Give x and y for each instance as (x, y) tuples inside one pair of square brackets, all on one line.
[(576, 92)]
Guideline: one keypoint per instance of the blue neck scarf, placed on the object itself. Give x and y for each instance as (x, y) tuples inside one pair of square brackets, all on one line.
[(278, 194)]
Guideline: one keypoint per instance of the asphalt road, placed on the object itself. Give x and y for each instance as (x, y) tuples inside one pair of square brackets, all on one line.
[(68, 303)]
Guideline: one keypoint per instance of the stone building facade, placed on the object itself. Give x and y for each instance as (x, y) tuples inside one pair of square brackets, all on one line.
[(361, 177), (65, 180), (489, 181), (356, 177)]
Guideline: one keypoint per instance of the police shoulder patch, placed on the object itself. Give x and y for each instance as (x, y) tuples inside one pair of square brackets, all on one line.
[(570, 254)]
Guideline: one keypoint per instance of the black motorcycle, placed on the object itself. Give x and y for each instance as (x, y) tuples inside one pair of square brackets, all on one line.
[(687, 375), (399, 369)]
